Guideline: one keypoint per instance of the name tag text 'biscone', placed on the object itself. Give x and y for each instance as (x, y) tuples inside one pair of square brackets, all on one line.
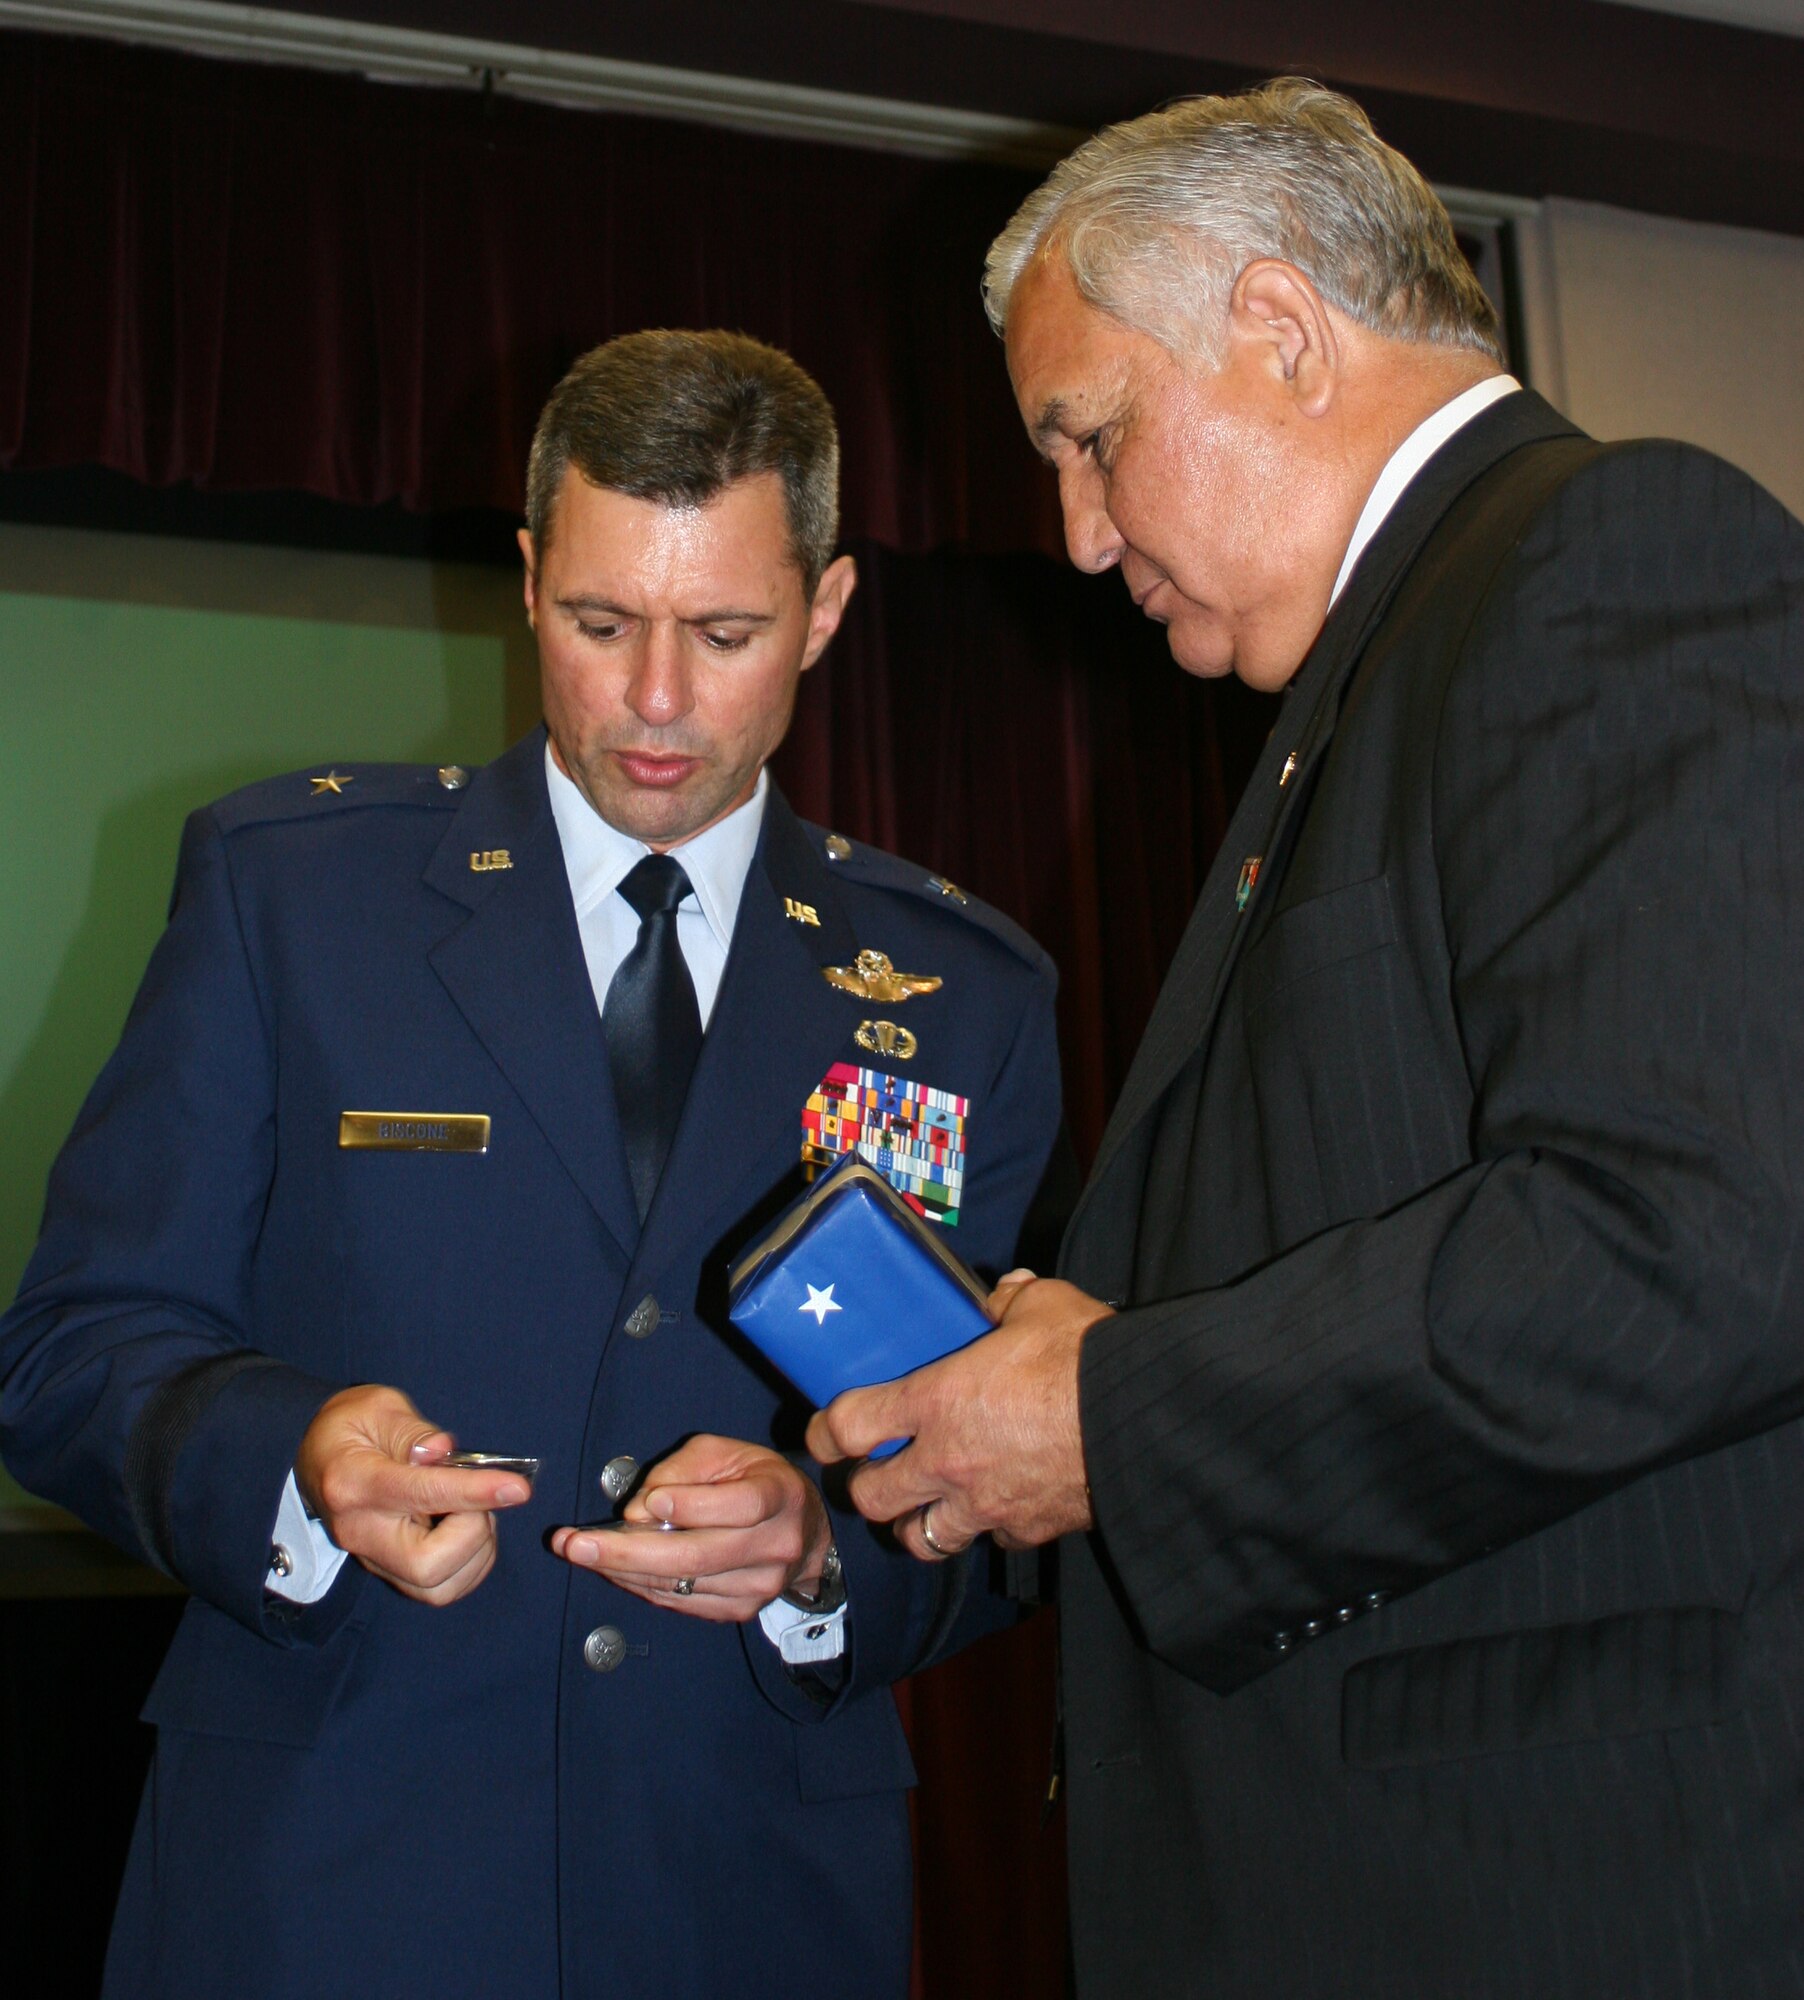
[(415, 1131)]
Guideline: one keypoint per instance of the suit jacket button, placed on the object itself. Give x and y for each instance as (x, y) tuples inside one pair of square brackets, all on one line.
[(617, 1476), (643, 1318), (604, 1648)]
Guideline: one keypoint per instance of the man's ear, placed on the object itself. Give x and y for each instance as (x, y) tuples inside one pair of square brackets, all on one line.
[(529, 555), (831, 596), (1275, 304)]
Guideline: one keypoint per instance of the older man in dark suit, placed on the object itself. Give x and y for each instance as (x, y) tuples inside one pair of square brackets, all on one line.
[(1423, 1397)]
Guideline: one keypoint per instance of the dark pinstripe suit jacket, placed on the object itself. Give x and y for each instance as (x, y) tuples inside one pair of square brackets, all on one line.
[(1444, 1629)]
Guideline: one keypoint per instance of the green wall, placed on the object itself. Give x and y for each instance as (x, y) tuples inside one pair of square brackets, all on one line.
[(141, 677)]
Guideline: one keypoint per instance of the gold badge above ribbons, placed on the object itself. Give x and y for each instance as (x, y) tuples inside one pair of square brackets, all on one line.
[(415, 1131), (870, 976)]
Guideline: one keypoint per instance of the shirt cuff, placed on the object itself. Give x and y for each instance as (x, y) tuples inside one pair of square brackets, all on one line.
[(304, 1560), (804, 1638)]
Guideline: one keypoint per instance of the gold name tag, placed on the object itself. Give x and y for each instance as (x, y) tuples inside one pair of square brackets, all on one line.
[(415, 1131)]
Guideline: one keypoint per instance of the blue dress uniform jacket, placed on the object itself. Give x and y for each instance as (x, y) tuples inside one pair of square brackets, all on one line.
[(367, 1795)]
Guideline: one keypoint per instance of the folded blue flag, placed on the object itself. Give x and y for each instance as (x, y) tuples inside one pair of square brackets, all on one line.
[(850, 1287)]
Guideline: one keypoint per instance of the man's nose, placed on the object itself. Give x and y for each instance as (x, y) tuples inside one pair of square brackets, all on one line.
[(661, 690), (1091, 539)]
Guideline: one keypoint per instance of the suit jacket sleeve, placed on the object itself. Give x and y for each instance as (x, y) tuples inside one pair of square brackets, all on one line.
[(129, 1391), (903, 1615), (1611, 1284)]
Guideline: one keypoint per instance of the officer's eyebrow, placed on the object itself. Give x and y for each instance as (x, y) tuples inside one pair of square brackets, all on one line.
[(583, 601)]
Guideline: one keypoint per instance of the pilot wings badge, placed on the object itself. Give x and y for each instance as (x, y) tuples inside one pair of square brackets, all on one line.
[(870, 976)]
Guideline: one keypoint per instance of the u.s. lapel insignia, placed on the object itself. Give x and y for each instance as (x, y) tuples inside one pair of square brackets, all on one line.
[(1249, 874), (870, 976), (884, 1038), (488, 859), (911, 1133), (801, 913)]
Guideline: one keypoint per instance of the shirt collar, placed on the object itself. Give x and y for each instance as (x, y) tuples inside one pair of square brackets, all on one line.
[(1409, 458), (598, 857)]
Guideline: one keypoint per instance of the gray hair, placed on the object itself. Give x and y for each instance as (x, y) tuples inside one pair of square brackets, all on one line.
[(676, 417), (1158, 217)]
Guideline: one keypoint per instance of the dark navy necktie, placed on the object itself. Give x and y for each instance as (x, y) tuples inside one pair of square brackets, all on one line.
[(652, 1024)]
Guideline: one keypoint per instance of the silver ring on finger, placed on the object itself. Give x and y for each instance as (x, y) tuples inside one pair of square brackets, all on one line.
[(927, 1534), (683, 1587)]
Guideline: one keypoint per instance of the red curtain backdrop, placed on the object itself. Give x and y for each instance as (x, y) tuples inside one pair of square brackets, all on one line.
[(251, 278)]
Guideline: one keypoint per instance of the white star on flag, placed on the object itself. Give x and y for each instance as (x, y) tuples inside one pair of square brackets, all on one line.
[(820, 1304)]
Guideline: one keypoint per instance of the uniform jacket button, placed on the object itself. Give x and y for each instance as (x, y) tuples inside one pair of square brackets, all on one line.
[(281, 1563), (604, 1648), (1375, 1600), (1312, 1628), (1280, 1642), (643, 1318), (617, 1476)]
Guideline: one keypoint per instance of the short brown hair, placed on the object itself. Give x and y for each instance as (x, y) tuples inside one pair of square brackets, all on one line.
[(675, 417)]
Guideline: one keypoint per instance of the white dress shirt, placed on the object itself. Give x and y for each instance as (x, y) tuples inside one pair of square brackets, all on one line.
[(1409, 458), (598, 858)]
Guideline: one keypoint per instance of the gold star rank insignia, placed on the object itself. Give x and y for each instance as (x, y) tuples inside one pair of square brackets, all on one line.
[(333, 781), (870, 976)]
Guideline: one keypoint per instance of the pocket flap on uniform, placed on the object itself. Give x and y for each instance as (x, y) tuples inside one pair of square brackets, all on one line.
[(220, 1680), (858, 1751), (1625, 1676)]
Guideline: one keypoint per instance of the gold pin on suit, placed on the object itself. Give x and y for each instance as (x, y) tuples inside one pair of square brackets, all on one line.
[(870, 976), (489, 859), (333, 781)]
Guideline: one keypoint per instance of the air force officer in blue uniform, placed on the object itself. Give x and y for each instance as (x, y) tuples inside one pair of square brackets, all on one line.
[(427, 1728)]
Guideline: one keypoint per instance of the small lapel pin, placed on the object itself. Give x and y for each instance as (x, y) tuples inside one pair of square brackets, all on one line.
[(870, 976), (801, 913), (1249, 874), (489, 859), (333, 781), (946, 888), (1289, 770)]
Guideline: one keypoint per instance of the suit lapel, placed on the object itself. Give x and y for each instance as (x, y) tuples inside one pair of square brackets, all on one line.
[(1190, 998), (516, 971), (776, 1027)]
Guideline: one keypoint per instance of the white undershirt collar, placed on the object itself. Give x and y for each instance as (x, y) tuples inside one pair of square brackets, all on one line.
[(1409, 458), (598, 857)]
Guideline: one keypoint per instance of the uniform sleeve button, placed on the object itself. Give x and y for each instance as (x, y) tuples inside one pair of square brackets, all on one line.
[(281, 1563), (643, 1318)]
